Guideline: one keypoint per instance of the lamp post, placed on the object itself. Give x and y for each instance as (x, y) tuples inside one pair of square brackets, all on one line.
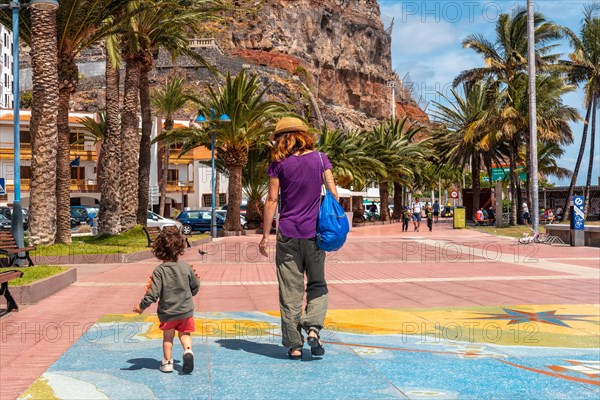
[(17, 212), (392, 84), (201, 119)]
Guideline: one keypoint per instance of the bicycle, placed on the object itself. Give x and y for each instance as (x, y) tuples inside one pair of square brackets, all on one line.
[(535, 238)]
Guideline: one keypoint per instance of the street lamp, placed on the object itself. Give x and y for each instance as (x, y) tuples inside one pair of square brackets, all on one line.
[(201, 119), (17, 212)]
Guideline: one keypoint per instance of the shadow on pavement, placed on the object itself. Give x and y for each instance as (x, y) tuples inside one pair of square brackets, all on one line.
[(262, 349), (141, 363)]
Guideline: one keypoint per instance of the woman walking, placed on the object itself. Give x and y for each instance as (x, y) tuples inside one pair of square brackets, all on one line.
[(298, 171)]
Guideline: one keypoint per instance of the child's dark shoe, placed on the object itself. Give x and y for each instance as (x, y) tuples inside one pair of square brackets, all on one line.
[(188, 362)]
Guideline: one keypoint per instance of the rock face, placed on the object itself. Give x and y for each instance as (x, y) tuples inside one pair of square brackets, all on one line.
[(330, 59), (339, 48)]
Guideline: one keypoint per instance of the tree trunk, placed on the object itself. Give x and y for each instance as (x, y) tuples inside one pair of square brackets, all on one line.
[(513, 181), (254, 213), (586, 125), (476, 186), (384, 194), (528, 159), (145, 148), (169, 123), (588, 182), (130, 145), (110, 159), (358, 209), (397, 201), (232, 222), (44, 131), (63, 170)]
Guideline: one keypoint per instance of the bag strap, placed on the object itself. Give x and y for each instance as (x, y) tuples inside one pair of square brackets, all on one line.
[(322, 178)]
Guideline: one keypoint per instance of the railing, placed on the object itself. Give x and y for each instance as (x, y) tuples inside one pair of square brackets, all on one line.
[(178, 186)]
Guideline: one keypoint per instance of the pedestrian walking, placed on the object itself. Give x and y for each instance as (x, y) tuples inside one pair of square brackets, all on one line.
[(173, 284), (436, 211), (416, 214), (429, 215), (298, 170), (405, 218)]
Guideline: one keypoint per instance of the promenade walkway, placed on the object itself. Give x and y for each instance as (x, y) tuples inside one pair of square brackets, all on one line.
[(443, 314)]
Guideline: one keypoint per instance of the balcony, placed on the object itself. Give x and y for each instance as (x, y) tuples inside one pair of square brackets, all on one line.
[(86, 151), (178, 186), (174, 158), (77, 185)]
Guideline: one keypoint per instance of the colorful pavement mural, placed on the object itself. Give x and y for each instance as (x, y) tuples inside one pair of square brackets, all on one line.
[(526, 351)]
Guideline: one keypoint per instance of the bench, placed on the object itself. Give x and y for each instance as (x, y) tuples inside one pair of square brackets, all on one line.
[(484, 222), (153, 231), (8, 247), (11, 304)]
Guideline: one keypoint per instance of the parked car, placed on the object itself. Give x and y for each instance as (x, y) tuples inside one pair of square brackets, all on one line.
[(198, 220), (243, 207), (153, 219), (4, 222), (90, 211), (79, 217), (243, 222), (7, 212)]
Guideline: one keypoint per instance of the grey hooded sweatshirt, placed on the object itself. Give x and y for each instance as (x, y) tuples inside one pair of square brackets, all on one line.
[(173, 285)]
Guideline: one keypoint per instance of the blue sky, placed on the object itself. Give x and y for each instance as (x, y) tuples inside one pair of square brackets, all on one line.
[(426, 43)]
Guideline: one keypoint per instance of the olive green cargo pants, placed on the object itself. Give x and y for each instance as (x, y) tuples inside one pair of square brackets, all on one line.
[(294, 258)]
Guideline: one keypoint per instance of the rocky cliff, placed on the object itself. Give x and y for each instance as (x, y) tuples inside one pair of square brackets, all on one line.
[(330, 59), (339, 49)]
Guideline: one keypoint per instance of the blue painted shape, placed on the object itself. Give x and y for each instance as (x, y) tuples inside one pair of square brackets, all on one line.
[(2, 186)]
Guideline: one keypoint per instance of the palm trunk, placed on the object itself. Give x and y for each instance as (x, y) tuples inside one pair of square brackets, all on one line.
[(130, 145), (110, 159), (528, 159), (384, 194), (63, 170), (254, 213), (397, 201), (513, 181), (588, 182), (44, 131), (475, 172), (358, 209), (579, 158), (145, 147), (232, 222), (169, 123)]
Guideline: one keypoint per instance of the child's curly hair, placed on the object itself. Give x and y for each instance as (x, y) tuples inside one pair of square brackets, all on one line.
[(169, 244)]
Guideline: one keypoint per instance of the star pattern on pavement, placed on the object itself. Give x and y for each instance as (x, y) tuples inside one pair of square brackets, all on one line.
[(546, 317)]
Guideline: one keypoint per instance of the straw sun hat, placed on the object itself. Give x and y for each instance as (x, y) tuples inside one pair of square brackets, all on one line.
[(288, 124)]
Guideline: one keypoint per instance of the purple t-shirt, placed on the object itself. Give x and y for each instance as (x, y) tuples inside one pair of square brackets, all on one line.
[(300, 180)]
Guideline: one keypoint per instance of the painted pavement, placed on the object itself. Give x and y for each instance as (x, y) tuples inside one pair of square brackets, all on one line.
[(490, 352)]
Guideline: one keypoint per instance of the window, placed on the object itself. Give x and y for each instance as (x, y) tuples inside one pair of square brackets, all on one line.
[(25, 137), (25, 172), (5, 40), (77, 172), (173, 175), (207, 200), (222, 198)]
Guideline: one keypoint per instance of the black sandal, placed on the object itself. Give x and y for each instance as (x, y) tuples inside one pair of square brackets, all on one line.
[(316, 347), (297, 356)]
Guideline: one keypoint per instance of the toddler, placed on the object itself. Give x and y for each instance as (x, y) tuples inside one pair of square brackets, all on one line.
[(173, 284)]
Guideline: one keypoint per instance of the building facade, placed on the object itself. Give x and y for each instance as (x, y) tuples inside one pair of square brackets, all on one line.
[(188, 175), (6, 67)]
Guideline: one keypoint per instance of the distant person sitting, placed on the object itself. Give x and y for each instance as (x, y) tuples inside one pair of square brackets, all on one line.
[(479, 218), (373, 207)]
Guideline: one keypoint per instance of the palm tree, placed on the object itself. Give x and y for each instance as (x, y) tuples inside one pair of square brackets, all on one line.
[(506, 59), (241, 98), (167, 100), (110, 156), (161, 24), (548, 154), (350, 162), (584, 68), (42, 226), (392, 143), (255, 182), (461, 137)]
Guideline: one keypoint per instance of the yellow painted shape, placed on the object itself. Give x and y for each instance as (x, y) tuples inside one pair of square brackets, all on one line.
[(40, 389)]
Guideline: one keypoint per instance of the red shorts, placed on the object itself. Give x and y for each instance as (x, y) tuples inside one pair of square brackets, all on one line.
[(180, 325)]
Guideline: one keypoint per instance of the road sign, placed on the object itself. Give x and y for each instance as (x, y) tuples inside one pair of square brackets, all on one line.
[(2, 186), (454, 194), (499, 174), (579, 219)]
